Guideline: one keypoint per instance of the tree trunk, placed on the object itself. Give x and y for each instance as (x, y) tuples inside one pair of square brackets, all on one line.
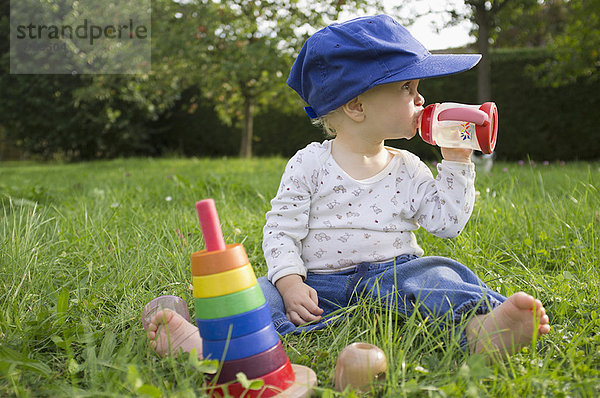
[(248, 129), (484, 76)]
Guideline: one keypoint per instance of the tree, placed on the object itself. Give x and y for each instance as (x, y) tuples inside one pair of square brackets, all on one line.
[(245, 49), (569, 29), (576, 50), (237, 52), (80, 116), (487, 16), (532, 27)]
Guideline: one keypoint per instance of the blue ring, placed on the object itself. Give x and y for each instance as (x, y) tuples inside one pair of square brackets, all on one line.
[(242, 324), (241, 347)]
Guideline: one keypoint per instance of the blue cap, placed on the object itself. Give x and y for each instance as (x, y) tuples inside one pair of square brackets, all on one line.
[(344, 60)]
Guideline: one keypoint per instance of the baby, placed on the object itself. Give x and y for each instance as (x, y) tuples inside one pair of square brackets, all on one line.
[(342, 224)]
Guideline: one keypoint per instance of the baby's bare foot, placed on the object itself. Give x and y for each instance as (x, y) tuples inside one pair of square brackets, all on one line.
[(509, 327), (170, 333)]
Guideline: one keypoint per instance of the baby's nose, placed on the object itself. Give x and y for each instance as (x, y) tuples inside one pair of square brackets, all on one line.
[(420, 100)]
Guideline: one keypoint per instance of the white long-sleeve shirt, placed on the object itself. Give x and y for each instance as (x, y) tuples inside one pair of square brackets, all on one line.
[(322, 220)]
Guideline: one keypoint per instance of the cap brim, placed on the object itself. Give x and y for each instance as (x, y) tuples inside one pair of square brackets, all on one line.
[(434, 65)]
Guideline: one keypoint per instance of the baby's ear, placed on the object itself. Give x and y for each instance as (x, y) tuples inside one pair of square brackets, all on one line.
[(354, 110)]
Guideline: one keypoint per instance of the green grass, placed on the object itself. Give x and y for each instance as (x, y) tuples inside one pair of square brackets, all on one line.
[(84, 246)]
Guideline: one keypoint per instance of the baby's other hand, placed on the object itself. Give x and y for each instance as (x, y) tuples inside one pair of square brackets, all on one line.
[(300, 300), (462, 155)]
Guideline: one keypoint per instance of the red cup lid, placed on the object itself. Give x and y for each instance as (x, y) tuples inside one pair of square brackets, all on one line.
[(487, 133), (426, 127)]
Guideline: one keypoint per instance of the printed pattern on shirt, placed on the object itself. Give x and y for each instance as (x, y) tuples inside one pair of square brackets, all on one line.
[(323, 220)]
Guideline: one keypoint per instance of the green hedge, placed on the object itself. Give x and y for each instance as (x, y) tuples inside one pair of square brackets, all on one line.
[(542, 123)]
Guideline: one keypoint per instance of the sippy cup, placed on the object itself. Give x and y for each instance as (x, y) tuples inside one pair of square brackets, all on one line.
[(163, 302), (453, 125)]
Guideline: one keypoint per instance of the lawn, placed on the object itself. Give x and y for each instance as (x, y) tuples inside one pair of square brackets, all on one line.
[(84, 246)]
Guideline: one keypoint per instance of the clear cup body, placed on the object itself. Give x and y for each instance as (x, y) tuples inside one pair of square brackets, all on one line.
[(454, 134)]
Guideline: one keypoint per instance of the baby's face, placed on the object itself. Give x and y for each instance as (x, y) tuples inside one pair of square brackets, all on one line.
[(392, 110)]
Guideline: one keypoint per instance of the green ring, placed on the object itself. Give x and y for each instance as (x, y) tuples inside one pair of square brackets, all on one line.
[(229, 304)]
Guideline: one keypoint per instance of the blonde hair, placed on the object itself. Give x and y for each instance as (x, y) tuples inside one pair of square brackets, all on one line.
[(324, 123)]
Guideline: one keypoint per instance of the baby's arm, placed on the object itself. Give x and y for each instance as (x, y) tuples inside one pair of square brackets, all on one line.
[(461, 155), (286, 227), (300, 300), (443, 205)]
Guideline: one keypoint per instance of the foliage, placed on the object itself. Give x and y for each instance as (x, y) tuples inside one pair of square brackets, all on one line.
[(245, 50), (575, 51), (237, 53), (84, 246), (192, 128), (44, 115), (570, 29), (211, 55), (77, 117), (518, 23), (486, 17), (541, 123), (533, 26), (511, 23)]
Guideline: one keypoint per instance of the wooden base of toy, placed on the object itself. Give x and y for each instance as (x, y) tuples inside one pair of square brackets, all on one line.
[(306, 379)]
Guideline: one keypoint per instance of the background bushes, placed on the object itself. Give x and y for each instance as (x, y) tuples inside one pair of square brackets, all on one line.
[(542, 123)]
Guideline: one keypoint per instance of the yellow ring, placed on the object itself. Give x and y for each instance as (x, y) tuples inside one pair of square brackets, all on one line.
[(223, 283)]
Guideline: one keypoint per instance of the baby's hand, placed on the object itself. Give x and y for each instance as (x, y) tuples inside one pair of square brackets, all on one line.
[(300, 300), (457, 154)]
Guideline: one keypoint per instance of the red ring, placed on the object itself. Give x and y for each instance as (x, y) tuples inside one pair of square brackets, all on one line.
[(255, 366)]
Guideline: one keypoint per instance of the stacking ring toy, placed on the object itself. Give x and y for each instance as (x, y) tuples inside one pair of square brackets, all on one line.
[(255, 366), (207, 262), (241, 324), (241, 347), (235, 322), (224, 283), (231, 304)]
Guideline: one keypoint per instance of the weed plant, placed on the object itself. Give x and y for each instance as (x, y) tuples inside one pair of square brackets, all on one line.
[(84, 246)]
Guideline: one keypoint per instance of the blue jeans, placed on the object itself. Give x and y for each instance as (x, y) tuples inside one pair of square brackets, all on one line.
[(440, 286)]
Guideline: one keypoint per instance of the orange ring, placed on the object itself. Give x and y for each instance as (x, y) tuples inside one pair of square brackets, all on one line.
[(214, 262)]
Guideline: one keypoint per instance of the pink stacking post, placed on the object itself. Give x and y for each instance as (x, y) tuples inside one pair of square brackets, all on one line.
[(211, 228)]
